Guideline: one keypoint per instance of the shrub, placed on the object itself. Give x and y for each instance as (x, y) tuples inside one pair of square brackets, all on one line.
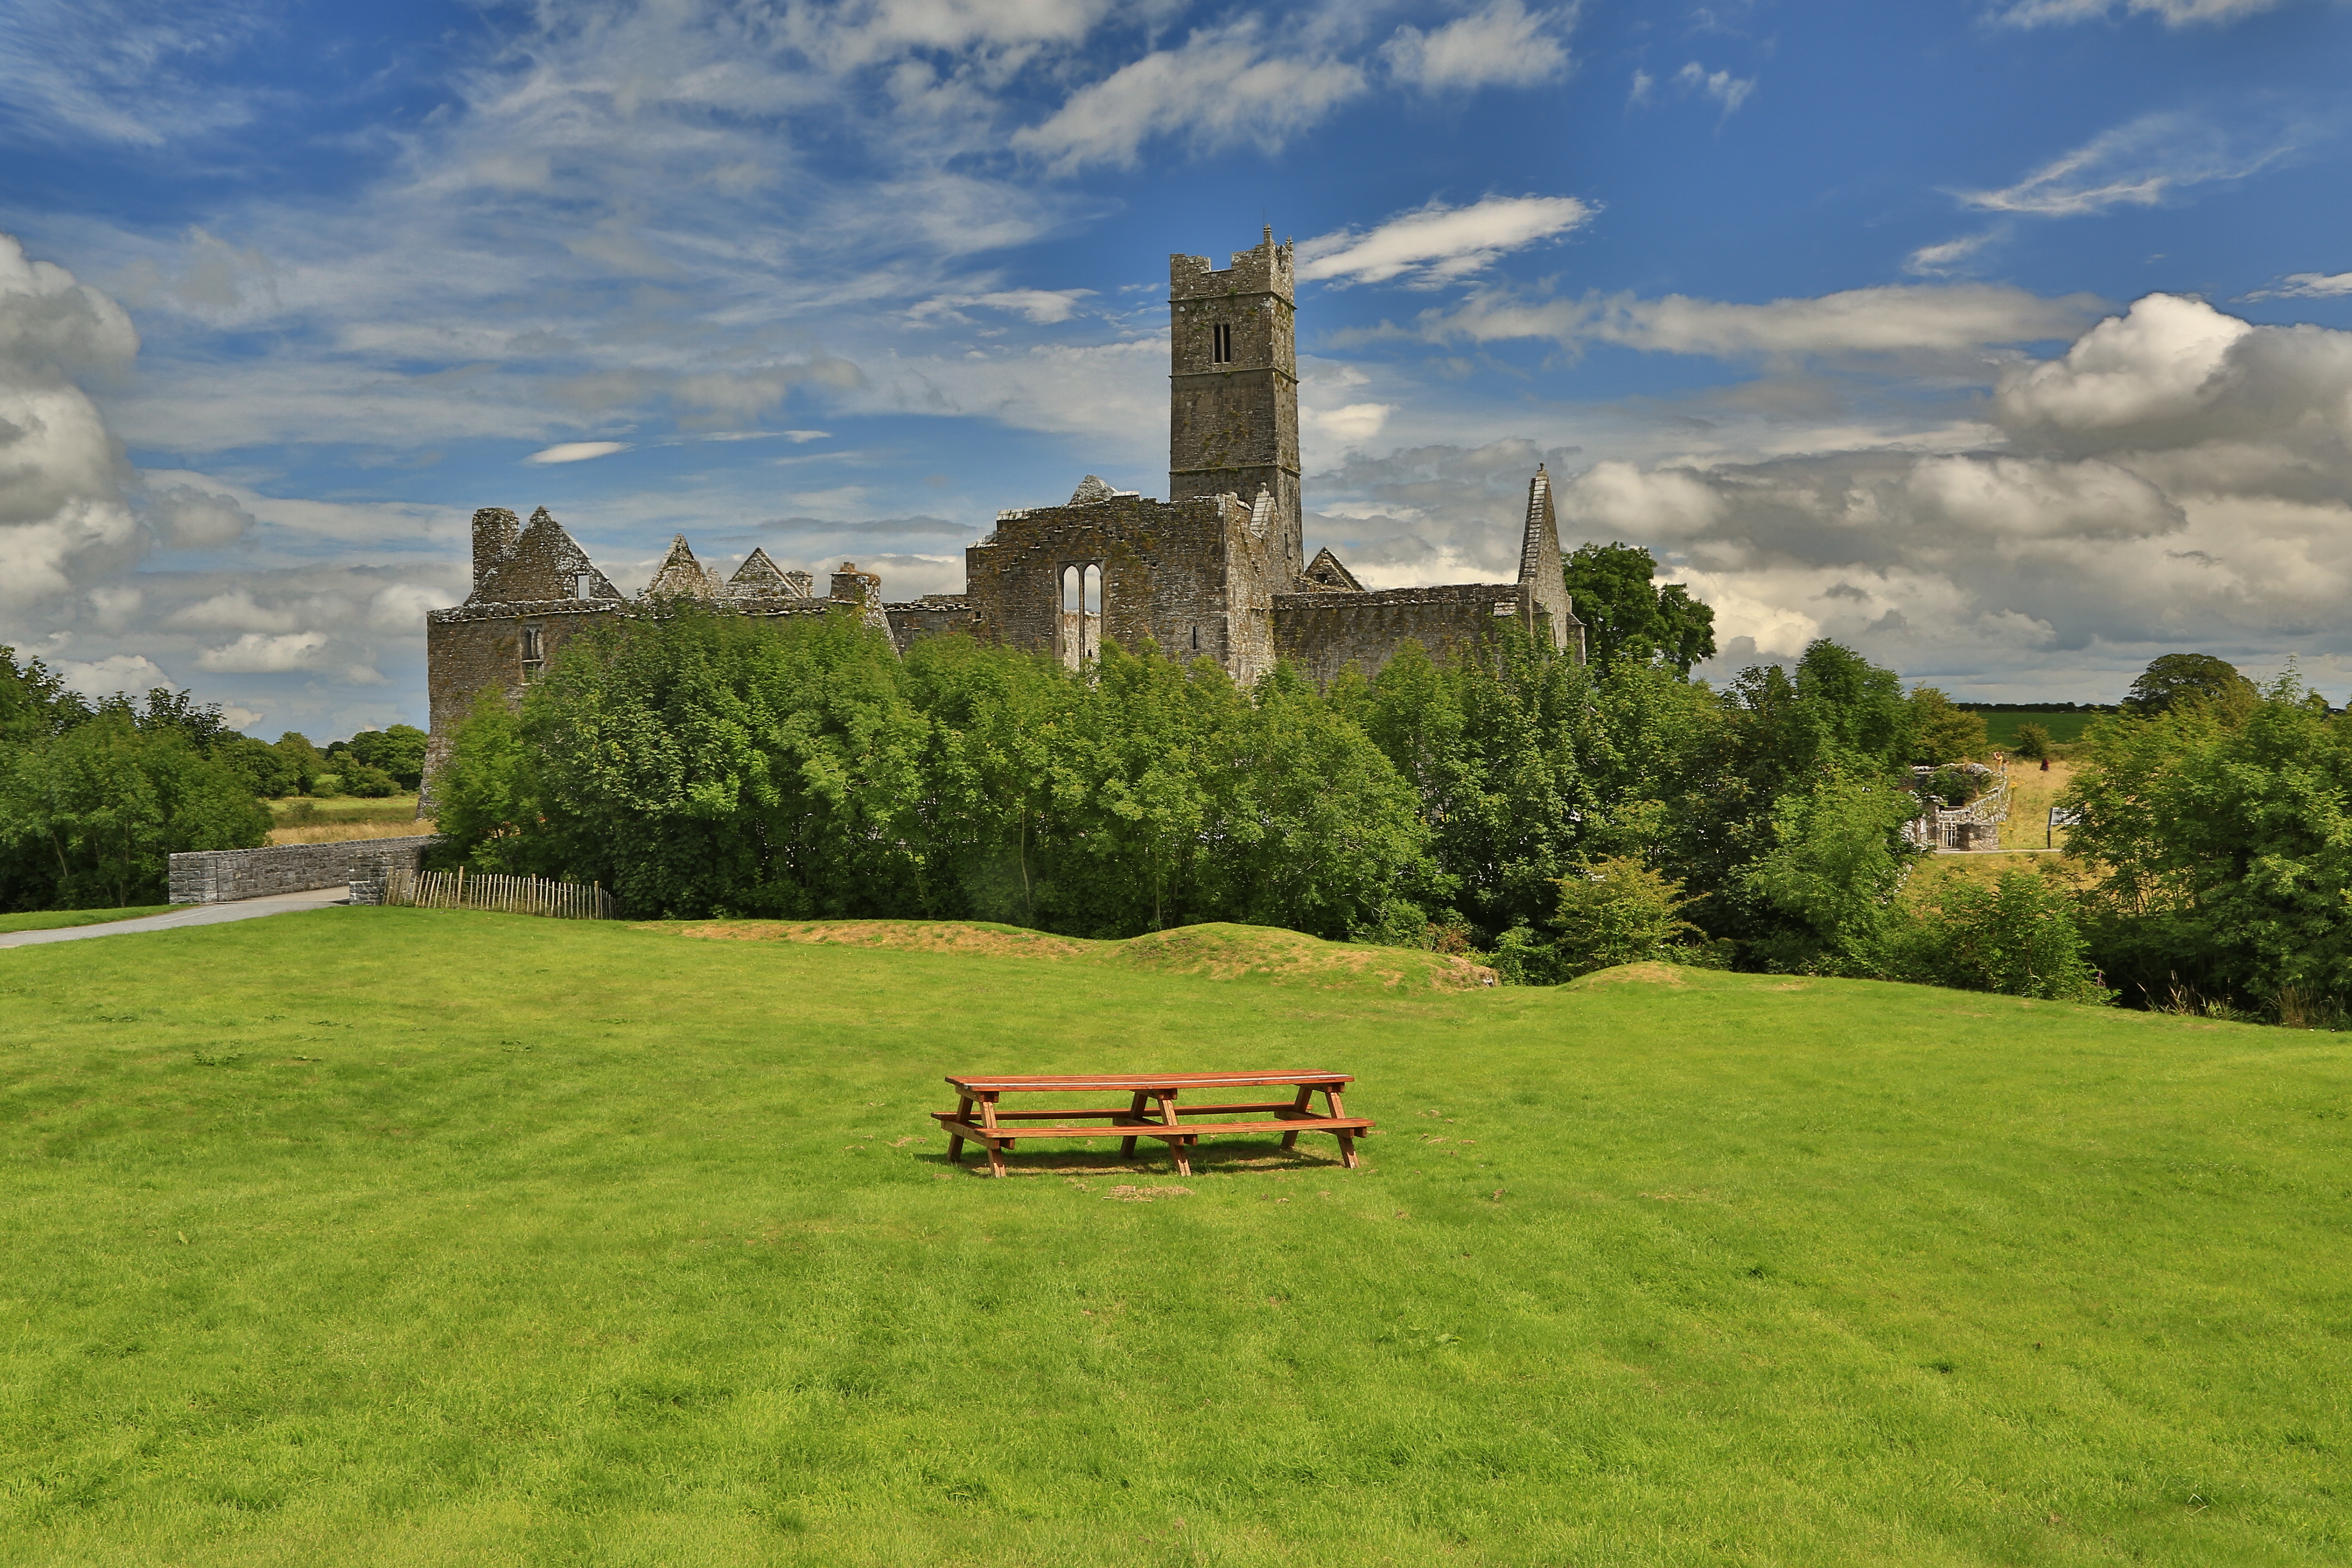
[(2017, 937), (370, 783)]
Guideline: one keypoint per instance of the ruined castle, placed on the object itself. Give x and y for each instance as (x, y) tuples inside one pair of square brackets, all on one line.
[(1217, 571)]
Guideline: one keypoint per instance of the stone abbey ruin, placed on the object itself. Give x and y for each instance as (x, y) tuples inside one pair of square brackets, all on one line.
[(1217, 571)]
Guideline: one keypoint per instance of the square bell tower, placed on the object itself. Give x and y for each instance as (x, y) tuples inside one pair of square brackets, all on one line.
[(1232, 390)]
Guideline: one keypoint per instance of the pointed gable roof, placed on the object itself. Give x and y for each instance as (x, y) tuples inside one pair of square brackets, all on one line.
[(1326, 575), (760, 578), (681, 576), (545, 563)]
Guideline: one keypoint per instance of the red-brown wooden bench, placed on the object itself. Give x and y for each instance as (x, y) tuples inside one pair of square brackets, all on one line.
[(977, 1117)]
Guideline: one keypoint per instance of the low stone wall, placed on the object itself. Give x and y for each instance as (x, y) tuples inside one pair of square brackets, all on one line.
[(218, 875)]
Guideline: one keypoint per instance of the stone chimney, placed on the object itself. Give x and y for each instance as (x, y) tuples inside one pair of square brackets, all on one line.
[(496, 531)]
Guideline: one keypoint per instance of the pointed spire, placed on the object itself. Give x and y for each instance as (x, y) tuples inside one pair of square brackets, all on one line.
[(1090, 491)]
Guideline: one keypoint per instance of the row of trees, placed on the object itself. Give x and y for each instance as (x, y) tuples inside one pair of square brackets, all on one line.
[(94, 797), (703, 764)]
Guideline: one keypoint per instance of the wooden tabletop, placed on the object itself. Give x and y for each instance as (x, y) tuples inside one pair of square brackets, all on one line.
[(1003, 1083)]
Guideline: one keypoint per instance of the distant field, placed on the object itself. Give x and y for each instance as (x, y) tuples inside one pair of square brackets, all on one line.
[(2064, 728), (395, 1235), (304, 820)]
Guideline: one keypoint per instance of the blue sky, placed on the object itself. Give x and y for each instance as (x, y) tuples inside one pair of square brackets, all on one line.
[(2009, 341)]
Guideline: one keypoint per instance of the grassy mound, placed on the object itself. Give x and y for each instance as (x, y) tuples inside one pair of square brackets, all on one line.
[(371, 1236), (1218, 951)]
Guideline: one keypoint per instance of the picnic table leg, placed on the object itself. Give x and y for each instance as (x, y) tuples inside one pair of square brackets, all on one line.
[(1306, 1096), (1135, 1108), (995, 1145), (955, 1139), (1347, 1140), (1175, 1145)]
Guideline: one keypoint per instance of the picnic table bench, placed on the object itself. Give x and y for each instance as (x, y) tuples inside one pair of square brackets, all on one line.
[(1152, 1111)]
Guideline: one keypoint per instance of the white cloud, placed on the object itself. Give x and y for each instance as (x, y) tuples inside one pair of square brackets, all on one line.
[(576, 451), (1438, 244), (186, 517), (2141, 164), (1045, 307), (256, 653), (1504, 45), (1948, 257), (1727, 89), (2172, 13), (2161, 359), (240, 717), (1640, 91), (2307, 286), (1223, 86), (1350, 425), (116, 672), (1617, 500), (1891, 318), (234, 610)]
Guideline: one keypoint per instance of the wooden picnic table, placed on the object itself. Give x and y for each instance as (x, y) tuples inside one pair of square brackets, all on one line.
[(1152, 1111)]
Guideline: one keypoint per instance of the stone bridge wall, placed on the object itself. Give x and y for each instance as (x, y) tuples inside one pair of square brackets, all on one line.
[(218, 875)]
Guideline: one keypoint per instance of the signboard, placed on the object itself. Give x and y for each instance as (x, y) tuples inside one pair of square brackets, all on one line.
[(2059, 818)]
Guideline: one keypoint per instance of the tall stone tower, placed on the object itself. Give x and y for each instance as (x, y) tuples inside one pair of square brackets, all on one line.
[(1233, 393)]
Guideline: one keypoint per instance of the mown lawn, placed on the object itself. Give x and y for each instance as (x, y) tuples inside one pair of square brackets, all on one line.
[(54, 920), (402, 1236)]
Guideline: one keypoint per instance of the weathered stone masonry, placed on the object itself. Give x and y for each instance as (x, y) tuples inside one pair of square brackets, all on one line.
[(218, 876), (1218, 571)]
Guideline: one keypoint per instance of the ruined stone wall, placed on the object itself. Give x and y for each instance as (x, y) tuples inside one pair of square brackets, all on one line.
[(1326, 633), (1192, 577), (474, 648), (218, 876), (932, 616)]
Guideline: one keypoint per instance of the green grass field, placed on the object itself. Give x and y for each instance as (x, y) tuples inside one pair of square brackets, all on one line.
[(2065, 729), (386, 1236), (343, 808), (53, 920)]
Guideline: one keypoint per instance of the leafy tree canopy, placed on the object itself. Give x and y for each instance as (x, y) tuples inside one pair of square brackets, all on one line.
[(1626, 619), (2174, 678)]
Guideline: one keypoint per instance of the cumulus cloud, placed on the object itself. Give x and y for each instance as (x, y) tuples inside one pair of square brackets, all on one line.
[(2162, 360), (187, 518), (64, 519), (2141, 164), (116, 672), (1503, 45), (1438, 244), (257, 653)]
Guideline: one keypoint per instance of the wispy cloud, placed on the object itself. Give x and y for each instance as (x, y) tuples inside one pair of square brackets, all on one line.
[(2141, 164), (1503, 45), (2172, 13), (1890, 319), (1724, 88), (1946, 258), (576, 451), (1439, 243), (2307, 286)]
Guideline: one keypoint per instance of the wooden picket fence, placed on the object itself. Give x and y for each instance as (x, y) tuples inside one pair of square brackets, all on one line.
[(464, 889)]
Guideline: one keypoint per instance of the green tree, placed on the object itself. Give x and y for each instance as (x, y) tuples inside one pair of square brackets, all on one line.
[(2221, 845), (2174, 678), (89, 818), (35, 702), (2033, 746), (398, 749), (1625, 617), (1617, 910), (262, 765), (1836, 862), (1944, 733), (303, 761)]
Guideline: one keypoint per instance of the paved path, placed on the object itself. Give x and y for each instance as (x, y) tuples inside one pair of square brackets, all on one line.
[(194, 915)]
